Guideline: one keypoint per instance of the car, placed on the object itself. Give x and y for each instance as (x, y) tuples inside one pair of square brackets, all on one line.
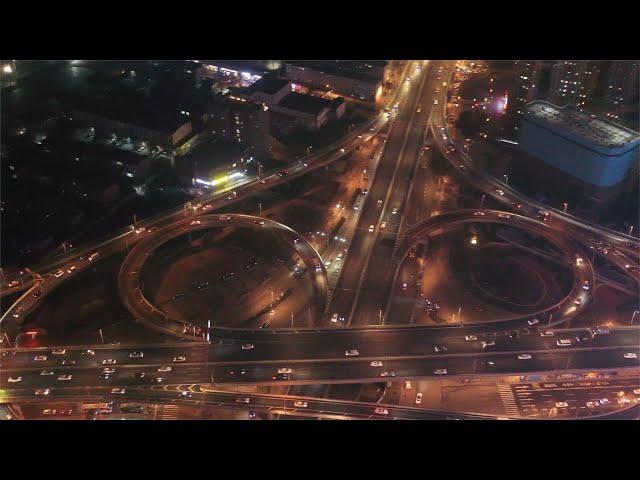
[(248, 346), (394, 211), (136, 355), (300, 404), (376, 363), (40, 358), (404, 285), (630, 355), (157, 380), (93, 256), (37, 293), (592, 404), (109, 361), (186, 394), (387, 374), (418, 398), (285, 370), (479, 214), (58, 351), (470, 338), (14, 379), (225, 217), (59, 273), (583, 338), (280, 376), (42, 391), (46, 372), (499, 192), (419, 110), (371, 228), (118, 391), (272, 313), (407, 385), (49, 411), (351, 353), (533, 321), (504, 215), (562, 404), (165, 368), (524, 356), (65, 378), (259, 222), (265, 325), (636, 391), (88, 353), (516, 205), (435, 102), (577, 302), (379, 202), (440, 371), (440, 348), (383, 225), (563, 342), (195, 222), (604, 401), (108, 370), (488, 343), (140, 230), (179, 359), (381, 411)]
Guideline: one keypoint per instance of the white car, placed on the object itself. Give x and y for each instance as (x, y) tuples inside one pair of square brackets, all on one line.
[(42, 391), (59, 273), (524, 356), (499, 192), (435, 102), (140, 230), (118, 391), (136, 355), (14, 379), (65, 378), (592, 404), (381, 411), (300, 404), (440, 371), (470, 338), (418, 399), (179, 358), (479, 214), (533, 321), (376, 363), (371, 228), (630, 355), (58, 351), (351, 353), (342, 150), (207, 207), (504, 215), (383, 225), (334, 318), (243, 400), (488, 343), (285, 370), (195, 222), (563, 342), (585, 285), (562, 404), (248, 346), (109, 361), (165, 368), (46, 372), (394, 211)]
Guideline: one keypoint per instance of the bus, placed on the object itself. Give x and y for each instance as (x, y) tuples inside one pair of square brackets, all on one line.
[(336, 229)]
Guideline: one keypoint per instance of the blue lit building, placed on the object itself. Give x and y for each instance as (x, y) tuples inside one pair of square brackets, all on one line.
[(594, 150)]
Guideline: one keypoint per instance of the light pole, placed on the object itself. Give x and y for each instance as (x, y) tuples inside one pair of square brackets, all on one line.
[(135, 220), (291, 319), (260, 209), (633, 317), (630, 229), (564, 209), (482, 200), (506, 179), (101, 337), (380, 317)]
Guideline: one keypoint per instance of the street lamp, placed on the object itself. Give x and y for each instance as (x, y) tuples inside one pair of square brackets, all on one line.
[(564, 209), (482, 200), (506, 179)]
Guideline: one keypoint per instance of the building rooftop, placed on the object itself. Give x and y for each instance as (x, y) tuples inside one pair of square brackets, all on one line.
[(269, 84), (588, 127), (308, 103)]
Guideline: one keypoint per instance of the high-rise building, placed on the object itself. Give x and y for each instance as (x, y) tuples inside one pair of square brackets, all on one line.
[(573, 82), (621, 83)]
